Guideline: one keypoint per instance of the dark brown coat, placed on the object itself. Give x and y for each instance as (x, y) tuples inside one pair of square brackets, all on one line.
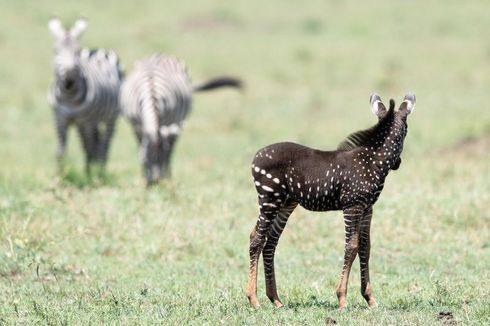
[(348, 179)]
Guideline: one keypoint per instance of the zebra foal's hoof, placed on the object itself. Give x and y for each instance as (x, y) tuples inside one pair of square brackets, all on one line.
[(372, 303), (254, 303), (278, 304)]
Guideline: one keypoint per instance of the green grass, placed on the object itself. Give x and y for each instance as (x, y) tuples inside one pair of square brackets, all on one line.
[(105, 251)]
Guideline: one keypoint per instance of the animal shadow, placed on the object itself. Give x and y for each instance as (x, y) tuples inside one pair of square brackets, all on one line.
[(312, 302)]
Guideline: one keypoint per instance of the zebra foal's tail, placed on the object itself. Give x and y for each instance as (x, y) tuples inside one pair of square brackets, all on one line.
[(217, 83)]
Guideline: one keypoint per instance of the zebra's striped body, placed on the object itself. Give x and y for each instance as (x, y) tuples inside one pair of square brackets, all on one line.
[(156, 98), (349, 179), (84, 93)]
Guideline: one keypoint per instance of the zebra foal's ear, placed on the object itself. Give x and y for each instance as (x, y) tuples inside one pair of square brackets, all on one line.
[(408, 104), (377, 105), (78, 28), (56, 28)]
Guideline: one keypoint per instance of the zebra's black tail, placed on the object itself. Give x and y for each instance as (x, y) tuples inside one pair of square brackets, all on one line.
[(219, 82)]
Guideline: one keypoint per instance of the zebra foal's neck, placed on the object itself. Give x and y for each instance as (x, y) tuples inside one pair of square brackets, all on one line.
[(381, 145)]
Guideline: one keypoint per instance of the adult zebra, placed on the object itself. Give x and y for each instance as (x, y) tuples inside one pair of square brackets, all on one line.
[(156, 98), (84, 92)]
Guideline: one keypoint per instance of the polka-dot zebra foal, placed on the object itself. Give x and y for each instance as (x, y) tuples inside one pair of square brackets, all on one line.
[(348, 179)]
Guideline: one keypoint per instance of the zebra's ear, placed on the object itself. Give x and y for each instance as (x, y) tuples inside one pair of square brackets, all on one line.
[(408, 104), (78, 28), (377, 105), (56, 28)]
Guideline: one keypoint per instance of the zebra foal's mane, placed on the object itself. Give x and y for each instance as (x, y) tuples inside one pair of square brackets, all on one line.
[(364, 137)]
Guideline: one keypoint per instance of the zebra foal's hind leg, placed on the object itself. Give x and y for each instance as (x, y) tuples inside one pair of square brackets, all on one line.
[(273, 236), (257, 242)]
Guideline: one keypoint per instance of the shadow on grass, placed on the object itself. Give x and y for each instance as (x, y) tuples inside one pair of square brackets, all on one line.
[(401, 304), (311, 302), (80, 179), (98, 177)]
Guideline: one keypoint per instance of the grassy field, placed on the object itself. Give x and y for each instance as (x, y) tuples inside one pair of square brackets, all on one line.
[(78, 251)]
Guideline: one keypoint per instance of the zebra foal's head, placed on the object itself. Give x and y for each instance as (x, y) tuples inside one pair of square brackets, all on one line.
[(66, 61), (400, 120), (407, 106), (380, 110)]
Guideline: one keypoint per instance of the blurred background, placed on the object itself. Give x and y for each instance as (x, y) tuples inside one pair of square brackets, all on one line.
[(113, 252)]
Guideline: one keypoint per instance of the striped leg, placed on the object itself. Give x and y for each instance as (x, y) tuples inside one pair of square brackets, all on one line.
[(105, 142), (142, 145), (257, 242), (149, 153), (89, 136), (269, 250), (61, 131), (352, 217), (168, 144), (364, 249)]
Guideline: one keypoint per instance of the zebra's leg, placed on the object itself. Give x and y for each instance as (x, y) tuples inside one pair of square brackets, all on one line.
[(270, 247), (138, 133), (257, 242), (105, 142), (364, 250), (88, 135), (168, 146), (61, 131), (146, 153), (352, 217), (141, 146)]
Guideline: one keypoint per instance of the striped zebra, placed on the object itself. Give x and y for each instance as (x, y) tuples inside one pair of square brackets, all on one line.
[(156, 98), (84, 92)]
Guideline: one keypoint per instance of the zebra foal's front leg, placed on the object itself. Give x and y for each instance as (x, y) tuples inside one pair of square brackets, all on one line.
[(352, 218), (364, 251)]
